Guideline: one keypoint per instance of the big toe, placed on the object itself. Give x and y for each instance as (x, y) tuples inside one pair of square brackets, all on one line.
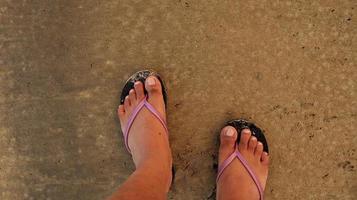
[(228, 140), (154, 89), (153, 86)]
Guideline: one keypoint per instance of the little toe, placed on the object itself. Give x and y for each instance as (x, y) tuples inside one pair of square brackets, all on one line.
[(121, 111), (265, 158)]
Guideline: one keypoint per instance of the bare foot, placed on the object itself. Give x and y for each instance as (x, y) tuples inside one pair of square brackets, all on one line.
[(235, 182), (148, 140)]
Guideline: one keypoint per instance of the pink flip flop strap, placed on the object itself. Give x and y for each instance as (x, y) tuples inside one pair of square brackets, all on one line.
[(134, 114), (230, 159)]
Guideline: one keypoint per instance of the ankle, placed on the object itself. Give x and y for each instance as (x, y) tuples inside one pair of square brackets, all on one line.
[(158, 171), (156, 164), (161, 159)]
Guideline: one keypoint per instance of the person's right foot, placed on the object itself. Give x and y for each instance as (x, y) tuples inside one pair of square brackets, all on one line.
[(235, 181)]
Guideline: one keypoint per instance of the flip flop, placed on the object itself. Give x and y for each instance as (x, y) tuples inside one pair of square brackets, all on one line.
[(142, 76), (239, 125)]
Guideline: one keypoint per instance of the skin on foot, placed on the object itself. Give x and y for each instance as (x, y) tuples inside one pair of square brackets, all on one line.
[(147, 138), (235, 182)]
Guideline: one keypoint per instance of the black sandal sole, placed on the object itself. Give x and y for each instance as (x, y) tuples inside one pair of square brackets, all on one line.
[(240, 124), (141, 76)]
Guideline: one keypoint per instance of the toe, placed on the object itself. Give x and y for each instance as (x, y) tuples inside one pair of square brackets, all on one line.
[(228, 140), (265, 158), (121, 114), (155, 98), (121, 111), (139, 90), (126, 103), (132, 96), (244, 138), (153, 85), (252, 144), (259, 150)]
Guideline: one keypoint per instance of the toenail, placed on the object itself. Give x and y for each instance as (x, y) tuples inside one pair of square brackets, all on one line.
[(246, 131), (253, 138), (229, 132), (151, 81)]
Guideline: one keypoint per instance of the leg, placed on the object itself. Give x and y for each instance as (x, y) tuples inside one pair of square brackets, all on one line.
[(144, 183), (235, 182), (149, 146)]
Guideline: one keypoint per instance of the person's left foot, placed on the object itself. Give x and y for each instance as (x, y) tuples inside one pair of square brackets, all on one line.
[(147, 140)]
